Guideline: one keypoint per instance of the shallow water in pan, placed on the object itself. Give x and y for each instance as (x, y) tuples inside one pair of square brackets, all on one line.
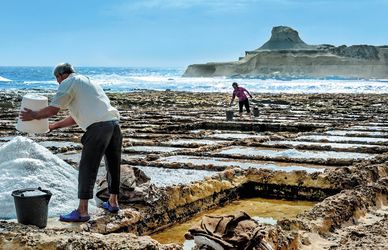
[(263, 210), (152, 149), (224, 162), (379, 126), (292, 153), (234, 136), (322, 144), (194, 141), (356, 132), (332, 138)]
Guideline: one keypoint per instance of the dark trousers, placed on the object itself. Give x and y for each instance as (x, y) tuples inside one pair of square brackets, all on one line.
[(100, 139), (242, 104)]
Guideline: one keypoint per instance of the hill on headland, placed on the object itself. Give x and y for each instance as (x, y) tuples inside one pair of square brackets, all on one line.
[(285, 54), (284, 38)]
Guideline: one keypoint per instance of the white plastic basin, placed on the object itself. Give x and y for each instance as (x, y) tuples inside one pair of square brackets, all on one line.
[(34, 102)]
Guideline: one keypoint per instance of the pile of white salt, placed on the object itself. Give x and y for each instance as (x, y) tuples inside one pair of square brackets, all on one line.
[(26, 164)]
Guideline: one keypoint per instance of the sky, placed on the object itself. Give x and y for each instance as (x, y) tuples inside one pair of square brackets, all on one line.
[(174, 33)]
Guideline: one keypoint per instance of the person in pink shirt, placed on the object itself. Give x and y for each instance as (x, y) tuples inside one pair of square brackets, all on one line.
[(241, 92)]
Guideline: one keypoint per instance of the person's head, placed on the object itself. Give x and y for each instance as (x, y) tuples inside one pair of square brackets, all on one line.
[(234, 85), (62, 71)]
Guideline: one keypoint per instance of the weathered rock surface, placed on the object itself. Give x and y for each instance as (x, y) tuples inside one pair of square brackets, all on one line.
[(286, 55), (183, 201), (351, 219), (353, 196), (17, 236), (284, 38)]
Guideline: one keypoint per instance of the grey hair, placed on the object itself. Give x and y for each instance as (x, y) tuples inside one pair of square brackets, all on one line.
[(63, 68)]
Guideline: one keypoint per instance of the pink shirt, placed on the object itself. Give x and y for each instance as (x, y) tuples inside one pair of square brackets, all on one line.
[(240, 93)]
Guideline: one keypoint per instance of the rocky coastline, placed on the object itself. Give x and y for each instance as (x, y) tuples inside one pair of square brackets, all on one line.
[(286, 55)]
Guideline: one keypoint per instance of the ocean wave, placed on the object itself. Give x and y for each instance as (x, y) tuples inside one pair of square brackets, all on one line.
[(130, 83), (130, 79), (3, 79), (253, 85)]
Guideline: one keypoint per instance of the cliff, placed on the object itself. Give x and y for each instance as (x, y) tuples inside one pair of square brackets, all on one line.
[(285, 54)]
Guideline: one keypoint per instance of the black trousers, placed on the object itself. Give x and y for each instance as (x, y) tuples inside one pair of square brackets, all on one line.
[(242, 104), (100, 139)]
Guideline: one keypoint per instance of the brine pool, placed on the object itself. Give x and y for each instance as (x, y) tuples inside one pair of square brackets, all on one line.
[(267, 211)]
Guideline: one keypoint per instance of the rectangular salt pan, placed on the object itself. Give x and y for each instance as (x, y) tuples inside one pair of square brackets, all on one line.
[(322, 144), (73, 156), (292, 153), (194, 141), (132, 157), (152, 149), (59, 144), (369, 128), (353, 132), (197, 131), (140, 140), (234, 136), (224, 162), (163, 177), (342, 138)]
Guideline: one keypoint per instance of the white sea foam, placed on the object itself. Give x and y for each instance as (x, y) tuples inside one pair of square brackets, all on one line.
[(26, 164), (219, 84), (3, 79), (129, 79)]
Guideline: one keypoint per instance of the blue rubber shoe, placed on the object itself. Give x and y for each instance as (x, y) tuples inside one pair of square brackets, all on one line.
[(107, 206), (74, 216)]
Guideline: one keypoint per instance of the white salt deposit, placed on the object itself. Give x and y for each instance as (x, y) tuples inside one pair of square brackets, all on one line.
[(33, 193), (265, 220), (26, 164), (163, 177), (293, 153)]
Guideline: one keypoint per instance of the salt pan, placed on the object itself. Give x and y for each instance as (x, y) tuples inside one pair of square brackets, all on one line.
[(163, 177), (26, 164)]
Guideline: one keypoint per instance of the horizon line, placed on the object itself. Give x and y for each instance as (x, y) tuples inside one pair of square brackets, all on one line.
[(92, 66)]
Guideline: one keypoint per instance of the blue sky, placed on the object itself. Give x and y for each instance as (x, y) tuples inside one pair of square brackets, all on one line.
[(174, 32)]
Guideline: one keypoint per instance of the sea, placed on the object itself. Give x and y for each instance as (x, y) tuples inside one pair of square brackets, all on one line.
[(126, 79)]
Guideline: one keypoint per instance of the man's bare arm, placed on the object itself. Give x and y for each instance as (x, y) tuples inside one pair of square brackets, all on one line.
[(29, 115), (67, 122)]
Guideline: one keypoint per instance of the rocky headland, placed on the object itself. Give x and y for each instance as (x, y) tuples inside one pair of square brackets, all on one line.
[(286, 55)]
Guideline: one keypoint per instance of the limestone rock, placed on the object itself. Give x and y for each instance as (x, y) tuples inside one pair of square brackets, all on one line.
[(286, 55), (284, 38), (17, 236)]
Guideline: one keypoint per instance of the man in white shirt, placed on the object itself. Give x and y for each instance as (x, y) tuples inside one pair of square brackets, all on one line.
[(89, 108)]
